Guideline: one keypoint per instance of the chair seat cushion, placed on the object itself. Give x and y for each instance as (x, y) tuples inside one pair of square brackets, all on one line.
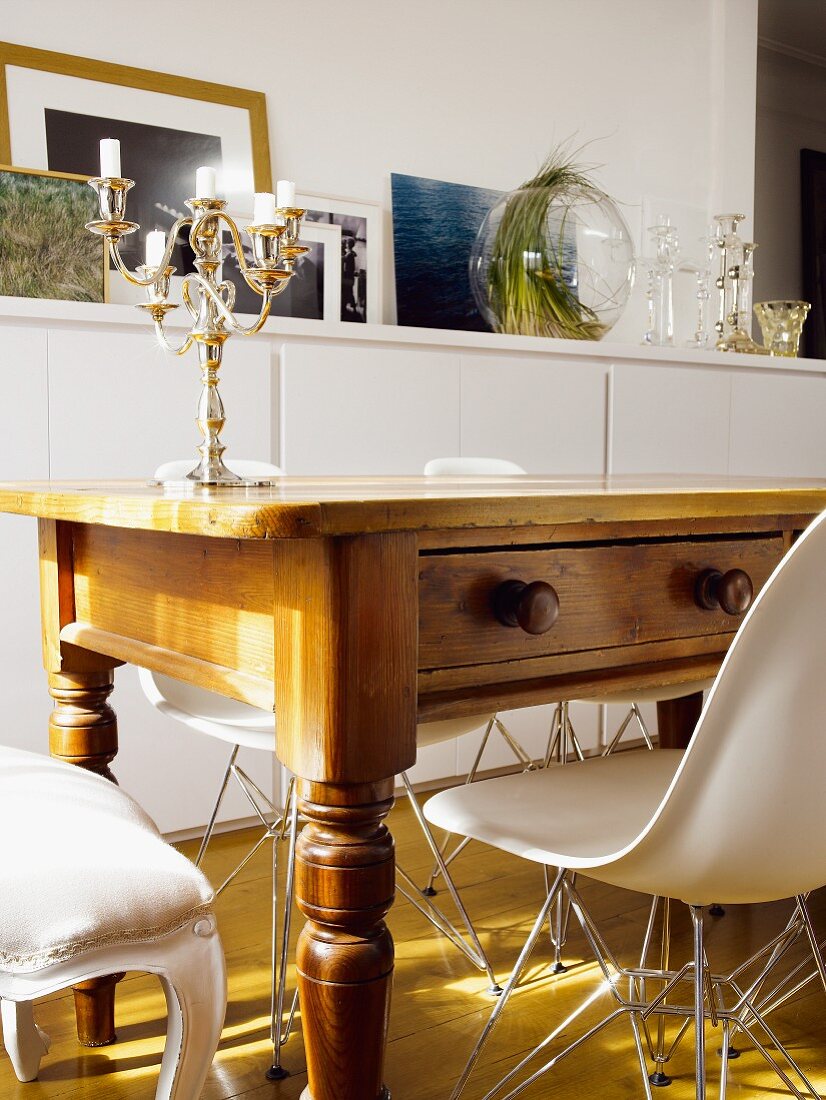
[(83, 866)]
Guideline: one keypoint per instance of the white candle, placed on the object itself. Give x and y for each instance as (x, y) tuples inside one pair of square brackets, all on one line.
[(155, 247), (285, 191), (264, 208), (110, 158), (205, 183)]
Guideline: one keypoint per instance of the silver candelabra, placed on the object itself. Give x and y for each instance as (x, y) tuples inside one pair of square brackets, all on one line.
[(210, 303)]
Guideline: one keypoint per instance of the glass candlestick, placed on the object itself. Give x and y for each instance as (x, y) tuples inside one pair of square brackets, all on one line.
[(660, 292), (702, 294)]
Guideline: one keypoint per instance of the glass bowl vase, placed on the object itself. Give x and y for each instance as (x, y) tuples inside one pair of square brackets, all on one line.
[(553, 262)]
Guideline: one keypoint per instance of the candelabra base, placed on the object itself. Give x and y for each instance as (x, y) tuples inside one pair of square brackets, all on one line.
[(738, 340), (188, 485)]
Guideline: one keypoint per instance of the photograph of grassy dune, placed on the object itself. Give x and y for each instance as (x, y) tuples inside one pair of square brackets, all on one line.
[(45, 251)]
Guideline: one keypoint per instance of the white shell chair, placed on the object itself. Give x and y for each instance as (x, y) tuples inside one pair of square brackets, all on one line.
[(739, 816), (245, 726), (99, 894)]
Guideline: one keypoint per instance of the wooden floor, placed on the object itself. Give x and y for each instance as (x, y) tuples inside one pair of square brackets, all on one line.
[(440, 1003)]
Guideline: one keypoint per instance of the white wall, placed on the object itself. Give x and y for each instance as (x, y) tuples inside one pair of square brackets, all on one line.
[(791, 115), (471, 91)]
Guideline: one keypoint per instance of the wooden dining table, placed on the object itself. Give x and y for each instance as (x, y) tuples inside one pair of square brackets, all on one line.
[(355, 608)]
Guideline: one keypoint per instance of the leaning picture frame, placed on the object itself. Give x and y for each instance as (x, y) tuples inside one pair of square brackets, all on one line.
[(55, 108), (361, 232), (45, 250)]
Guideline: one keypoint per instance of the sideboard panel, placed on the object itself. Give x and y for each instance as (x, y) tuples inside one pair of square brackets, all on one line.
[(367, 410)]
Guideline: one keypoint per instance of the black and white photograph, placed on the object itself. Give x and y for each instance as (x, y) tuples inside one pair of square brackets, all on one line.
[(353, 261), (360, 224), (162, 161)]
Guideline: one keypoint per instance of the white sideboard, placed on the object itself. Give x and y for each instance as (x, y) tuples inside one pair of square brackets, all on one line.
[(90, 394)]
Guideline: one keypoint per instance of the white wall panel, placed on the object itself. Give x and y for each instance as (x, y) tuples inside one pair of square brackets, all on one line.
[(670, 420), (363, 410), (24, 453), (119, 406), (778, 425), (549, 417)]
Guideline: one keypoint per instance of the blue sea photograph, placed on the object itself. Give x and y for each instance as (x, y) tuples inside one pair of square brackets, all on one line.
[(434, 227)]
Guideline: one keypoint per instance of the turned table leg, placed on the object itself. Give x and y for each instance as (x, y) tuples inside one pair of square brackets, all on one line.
[(676, 719), (344, 887), (83, 730), (346, 616)]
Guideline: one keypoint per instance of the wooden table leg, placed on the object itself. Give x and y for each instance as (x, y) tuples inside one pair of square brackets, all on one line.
[(676, 719), (345, 873), (346, 617), (83, 730)]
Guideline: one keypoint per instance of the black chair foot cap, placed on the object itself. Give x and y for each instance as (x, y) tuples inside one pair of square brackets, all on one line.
[(716, 911), (733, 1053), (659, 1079), (276, 1073), (495, 990), (429, 892), (559, 968)]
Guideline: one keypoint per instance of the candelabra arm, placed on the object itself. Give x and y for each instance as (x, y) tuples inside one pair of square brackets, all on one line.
[(114, 248), (243, 266), (182, 349), (222, 308)]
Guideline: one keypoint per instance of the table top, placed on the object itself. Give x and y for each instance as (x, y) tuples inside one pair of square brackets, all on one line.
[(302, 507)]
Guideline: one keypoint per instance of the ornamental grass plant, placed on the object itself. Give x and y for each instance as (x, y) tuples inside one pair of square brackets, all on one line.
[(532, 274)]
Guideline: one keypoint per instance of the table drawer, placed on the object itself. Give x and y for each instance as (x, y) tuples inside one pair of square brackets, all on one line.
[(614, 595)]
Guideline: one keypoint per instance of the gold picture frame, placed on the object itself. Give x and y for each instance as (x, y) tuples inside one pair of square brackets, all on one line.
[(55, 108), (47, 252), (106, 72)]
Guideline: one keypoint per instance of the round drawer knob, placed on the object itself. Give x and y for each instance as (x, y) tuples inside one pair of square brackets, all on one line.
[(732, 591), (534, 606)]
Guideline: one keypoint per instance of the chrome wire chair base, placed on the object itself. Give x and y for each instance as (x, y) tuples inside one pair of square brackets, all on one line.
[(736, 1002), (562, 744), (278, 827), (468, 942), (523, 758)]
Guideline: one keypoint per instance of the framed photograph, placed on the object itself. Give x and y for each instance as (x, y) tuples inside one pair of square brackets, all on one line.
[(55, 108), (430, 214), (813, 218), (361, 251), (45, 251)]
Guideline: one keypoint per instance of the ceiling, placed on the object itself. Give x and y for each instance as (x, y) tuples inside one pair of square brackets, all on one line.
[(798, 25)]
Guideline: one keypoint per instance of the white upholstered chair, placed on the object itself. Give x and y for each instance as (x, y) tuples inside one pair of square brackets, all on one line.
[(89, 888), (739, 816)]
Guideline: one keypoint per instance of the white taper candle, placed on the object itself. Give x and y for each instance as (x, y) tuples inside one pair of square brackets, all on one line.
[(264, 208), (205, 183), (285, 195), (110, 158), (155, 247)]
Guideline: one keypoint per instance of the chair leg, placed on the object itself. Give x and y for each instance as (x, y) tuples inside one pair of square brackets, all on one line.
[(213, 816), (278, 1034), (194, 982), (699, 1002), (510, 984), (25, 1042), (477, 955)]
